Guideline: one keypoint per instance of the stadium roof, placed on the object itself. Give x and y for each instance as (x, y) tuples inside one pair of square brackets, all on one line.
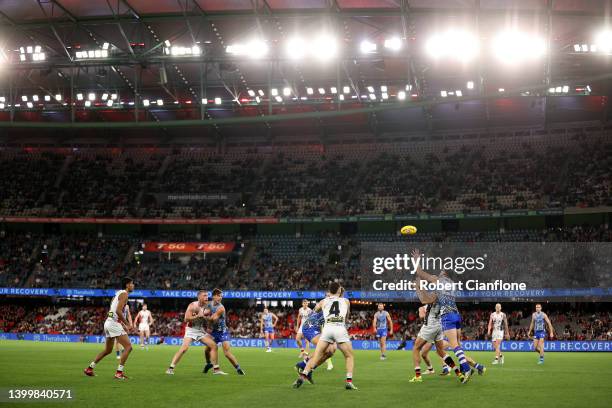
[(166, 64)]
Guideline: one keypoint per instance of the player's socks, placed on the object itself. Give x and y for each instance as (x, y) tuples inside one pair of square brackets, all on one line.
[(120, 368), (402, 345), (330, 365), (218, 371), (417, 371), (92, 365), (449, 361), (307, 375), (239, 370), (480, 368), (301, 365), (349, 382), (465, 367)]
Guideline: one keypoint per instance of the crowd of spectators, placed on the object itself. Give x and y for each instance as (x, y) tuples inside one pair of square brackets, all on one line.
[(282, 262), (336, 180), (569, 324)]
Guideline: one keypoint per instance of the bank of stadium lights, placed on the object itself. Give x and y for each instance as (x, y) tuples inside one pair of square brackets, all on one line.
[(393, 43), (146, 102), (94, 53), (253, 49), (603, 41), (367, 47), (218, 101), (287, 91), (346, 90), (583, 48), (322, 47), (513, 47), (251, 93), (309, 91), (469, 85), (457, 92), (321, 91), (453, 44), (401, 95), (560, 89), (333, 90), (181, 51), (31, 53)]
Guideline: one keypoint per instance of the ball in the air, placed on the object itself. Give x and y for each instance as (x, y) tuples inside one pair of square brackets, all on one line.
[(408, 230)]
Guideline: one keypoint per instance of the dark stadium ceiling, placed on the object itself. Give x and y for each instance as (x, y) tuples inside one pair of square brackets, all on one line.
[(134, 67)]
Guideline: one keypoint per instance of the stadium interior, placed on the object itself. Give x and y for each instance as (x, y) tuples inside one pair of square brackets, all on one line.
[(283, 136)]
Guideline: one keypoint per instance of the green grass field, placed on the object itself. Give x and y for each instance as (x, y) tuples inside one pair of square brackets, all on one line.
[(565, 380)]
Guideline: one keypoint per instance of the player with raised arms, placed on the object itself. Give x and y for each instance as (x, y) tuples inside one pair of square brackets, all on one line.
[(144, 320), (539, 322), (195, 317), (116, 327), (335, 310), (449, 314), (382, 325), (303, 314), (498, 325), (219, 332), (267, 323), (430, 334)]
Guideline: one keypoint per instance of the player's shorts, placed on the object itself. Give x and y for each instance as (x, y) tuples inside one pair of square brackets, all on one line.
[(113, 329), (381, 332), (335, 334), (431, 334), (143, 327), (451, 321), (269, 330), (497, 335), (194, 334), (311, 332), (540, 334), (220, 336)]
